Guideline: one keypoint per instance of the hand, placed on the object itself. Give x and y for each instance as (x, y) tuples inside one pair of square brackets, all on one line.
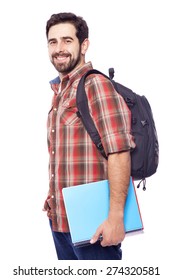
[(112, 232), (46, 206)]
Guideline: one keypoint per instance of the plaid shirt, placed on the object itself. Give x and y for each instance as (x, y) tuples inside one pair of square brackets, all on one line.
[(74, 158)]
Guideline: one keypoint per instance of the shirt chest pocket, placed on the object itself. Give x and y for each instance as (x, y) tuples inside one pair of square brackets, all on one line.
[(68, 114)]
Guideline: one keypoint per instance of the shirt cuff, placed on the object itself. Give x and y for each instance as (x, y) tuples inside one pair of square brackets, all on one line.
[(118, 143)]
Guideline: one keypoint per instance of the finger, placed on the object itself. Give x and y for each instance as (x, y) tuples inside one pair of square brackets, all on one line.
[(96, 236)]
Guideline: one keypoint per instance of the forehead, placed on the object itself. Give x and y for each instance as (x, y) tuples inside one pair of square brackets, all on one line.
[(62, 30)]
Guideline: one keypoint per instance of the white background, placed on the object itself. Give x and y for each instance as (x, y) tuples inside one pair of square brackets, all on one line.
[(133, 36)]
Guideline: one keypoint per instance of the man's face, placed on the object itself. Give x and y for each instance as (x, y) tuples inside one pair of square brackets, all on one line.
[(64, 48)]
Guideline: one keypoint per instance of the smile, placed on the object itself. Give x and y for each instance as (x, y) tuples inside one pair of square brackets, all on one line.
[(61, 58)]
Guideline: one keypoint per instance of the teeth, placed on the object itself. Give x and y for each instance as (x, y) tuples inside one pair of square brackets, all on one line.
[(60, 57)]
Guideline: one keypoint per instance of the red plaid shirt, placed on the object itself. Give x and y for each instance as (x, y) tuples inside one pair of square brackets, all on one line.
[(74, 158)]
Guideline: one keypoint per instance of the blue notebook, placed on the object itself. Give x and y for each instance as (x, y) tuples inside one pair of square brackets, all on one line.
[(87, 207)]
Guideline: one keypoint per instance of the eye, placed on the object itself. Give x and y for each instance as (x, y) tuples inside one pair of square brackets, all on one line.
[(68, 41), (52, 42)]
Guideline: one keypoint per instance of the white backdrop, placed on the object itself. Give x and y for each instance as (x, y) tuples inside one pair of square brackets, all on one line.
[(133, 36)]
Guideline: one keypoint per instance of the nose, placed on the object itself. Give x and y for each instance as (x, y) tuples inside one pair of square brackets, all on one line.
[(59, 47)]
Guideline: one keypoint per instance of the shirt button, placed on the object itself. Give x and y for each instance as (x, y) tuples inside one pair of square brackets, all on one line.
[(52, 196), (53, 175), (53, 130), (53, 152), (55, 109)]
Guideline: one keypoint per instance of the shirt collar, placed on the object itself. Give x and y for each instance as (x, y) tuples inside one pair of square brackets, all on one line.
[(72, 76)]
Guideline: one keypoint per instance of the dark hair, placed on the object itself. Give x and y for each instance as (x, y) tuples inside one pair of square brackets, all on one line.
[(78, 22)]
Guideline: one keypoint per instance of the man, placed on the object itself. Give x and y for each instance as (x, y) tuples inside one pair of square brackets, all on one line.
[(74, 158)]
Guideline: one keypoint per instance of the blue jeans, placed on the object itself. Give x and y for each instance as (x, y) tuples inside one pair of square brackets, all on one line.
[(66, 251)]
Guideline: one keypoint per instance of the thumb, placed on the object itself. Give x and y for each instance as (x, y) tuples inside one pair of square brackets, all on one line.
[(97, 236)]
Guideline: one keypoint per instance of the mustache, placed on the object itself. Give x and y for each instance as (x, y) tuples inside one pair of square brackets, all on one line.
[(60, 54)]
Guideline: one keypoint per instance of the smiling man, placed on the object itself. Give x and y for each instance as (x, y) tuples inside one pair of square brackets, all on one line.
[(65, 51), (74, 158)]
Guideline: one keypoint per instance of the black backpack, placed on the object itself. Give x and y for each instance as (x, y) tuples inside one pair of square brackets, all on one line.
[(145, 156)]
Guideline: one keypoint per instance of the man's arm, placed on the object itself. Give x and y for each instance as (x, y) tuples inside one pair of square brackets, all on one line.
[(112, 229)]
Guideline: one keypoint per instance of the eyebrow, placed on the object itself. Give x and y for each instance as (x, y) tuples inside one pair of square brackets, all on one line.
[(64, 38)]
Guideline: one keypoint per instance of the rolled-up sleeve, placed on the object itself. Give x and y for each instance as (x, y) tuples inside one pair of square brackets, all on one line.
[(111, 115)]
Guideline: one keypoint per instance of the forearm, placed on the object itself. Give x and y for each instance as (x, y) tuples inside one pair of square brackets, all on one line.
[(118, 175), (112, 229)]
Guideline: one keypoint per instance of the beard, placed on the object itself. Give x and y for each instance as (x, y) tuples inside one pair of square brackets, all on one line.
[(65, 67)]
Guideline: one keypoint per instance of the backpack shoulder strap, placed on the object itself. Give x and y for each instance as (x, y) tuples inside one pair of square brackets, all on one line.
[(83, 111)]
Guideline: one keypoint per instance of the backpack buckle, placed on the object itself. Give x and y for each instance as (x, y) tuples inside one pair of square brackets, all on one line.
[(145, 122), (101, 149)]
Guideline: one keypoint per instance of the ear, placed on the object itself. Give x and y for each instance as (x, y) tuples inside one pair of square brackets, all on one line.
[(84, 46)]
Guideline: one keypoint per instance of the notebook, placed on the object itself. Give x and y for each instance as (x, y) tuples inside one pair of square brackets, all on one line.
[(87, 206)]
